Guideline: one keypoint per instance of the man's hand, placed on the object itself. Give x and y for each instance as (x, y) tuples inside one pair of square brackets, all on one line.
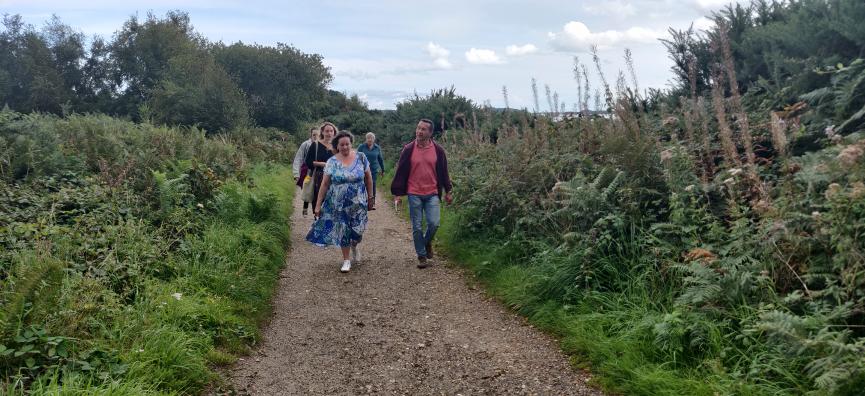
[(449, 198)]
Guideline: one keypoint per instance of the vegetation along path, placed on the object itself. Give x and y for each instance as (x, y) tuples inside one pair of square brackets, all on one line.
[(387, 327)]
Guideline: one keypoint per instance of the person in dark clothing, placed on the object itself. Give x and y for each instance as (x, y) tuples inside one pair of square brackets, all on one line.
[(373, 153), (298, 167), (318, 154), (422, 175)]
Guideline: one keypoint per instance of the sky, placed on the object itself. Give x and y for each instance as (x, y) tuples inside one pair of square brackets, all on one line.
[(385, 51)]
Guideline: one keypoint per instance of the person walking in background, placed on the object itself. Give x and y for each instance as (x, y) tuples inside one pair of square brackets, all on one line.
[(372, 151), (422, 174), (298, 167), (317, 156), (342, 204)]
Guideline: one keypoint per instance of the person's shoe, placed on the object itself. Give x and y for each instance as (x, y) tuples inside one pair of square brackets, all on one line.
[(429, 251), (355, 255), (422, 262), (305, 212), (346, 266)]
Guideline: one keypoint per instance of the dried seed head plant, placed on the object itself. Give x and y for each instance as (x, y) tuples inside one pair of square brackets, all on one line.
[(731, 155)]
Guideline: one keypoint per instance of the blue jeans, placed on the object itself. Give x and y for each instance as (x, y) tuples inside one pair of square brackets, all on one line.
[(420, 207)]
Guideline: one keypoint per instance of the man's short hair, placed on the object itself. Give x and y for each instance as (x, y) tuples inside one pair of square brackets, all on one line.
[(432, 126)]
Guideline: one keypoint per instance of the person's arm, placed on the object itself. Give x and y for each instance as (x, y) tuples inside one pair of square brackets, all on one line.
[(402, 153), (299, 159), (446, 177), (367, 179), (325, 184)]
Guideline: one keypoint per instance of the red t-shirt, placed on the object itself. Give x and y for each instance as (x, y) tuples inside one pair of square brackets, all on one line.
[(422, 177)]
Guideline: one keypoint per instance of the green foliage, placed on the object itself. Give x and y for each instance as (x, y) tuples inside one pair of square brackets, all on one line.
[(843, 100), (132, 257), (159, 69), (664, 273), (141, 53), (39, 69), (195, 90), (280, 83), (444, 107)]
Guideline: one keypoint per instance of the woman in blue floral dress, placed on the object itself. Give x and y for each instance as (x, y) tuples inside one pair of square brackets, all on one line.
[(343, 201)]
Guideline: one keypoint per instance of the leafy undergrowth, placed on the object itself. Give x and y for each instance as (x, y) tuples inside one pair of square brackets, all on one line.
[(177, 327), (135, 281)]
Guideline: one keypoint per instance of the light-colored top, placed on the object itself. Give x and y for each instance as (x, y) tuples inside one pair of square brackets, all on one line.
[(300, 156), (422, 178)]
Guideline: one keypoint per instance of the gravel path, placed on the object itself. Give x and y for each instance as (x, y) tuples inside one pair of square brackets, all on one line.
[(389, 328)]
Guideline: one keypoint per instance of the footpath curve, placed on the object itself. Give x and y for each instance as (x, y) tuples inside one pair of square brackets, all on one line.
[(387, 327)]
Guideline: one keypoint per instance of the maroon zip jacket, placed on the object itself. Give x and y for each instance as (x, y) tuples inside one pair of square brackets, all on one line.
[(399, 185)]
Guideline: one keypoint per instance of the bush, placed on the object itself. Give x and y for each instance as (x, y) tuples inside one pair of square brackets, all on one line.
[(121, 279)]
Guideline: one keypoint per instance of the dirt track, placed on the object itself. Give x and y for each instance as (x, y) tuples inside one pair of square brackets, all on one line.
[(390, 328)]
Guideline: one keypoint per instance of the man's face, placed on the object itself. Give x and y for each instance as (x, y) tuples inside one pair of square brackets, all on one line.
[(423, 131), (313, 133)]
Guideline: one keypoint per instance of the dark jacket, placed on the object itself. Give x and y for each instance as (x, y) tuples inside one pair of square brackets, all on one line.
[(399, 186)]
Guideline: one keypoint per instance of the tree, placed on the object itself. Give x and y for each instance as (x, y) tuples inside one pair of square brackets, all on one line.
[(196, 90), (282, 83), (352, 114), (38, 71), (444, 107), (141, 52)]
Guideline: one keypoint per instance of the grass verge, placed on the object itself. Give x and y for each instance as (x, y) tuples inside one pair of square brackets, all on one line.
[(607, 333), (199, 311)]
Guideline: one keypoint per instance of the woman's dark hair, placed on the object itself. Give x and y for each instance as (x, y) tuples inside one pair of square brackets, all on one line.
[(340, 135)]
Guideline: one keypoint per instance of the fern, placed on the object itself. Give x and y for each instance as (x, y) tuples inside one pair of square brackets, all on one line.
[(29, 292)]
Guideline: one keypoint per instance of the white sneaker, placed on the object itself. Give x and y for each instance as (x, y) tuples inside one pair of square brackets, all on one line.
[(346, 266), (355, 255)]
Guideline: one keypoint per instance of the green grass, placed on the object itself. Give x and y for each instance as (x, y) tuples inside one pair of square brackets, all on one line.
[(607, 333), (179, 327)]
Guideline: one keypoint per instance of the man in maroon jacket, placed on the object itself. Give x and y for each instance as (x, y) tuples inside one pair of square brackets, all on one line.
[(422, 174)]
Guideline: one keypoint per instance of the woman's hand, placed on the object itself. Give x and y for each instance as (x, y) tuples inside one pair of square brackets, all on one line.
[(317, 210), (370, 202)]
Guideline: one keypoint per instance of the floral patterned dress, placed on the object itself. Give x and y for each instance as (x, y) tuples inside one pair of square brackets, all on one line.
[(343, 212)]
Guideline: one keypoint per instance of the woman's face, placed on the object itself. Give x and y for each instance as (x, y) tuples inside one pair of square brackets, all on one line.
[(370, 140), (344, 145), (328, 133)]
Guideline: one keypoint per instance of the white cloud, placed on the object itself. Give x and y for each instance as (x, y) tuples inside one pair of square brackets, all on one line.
[(710, 4), (576, 36), (358, 69), (520, 50), (442, 63), (617, 8), (482, 57), (436, 51), (439, 55)]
